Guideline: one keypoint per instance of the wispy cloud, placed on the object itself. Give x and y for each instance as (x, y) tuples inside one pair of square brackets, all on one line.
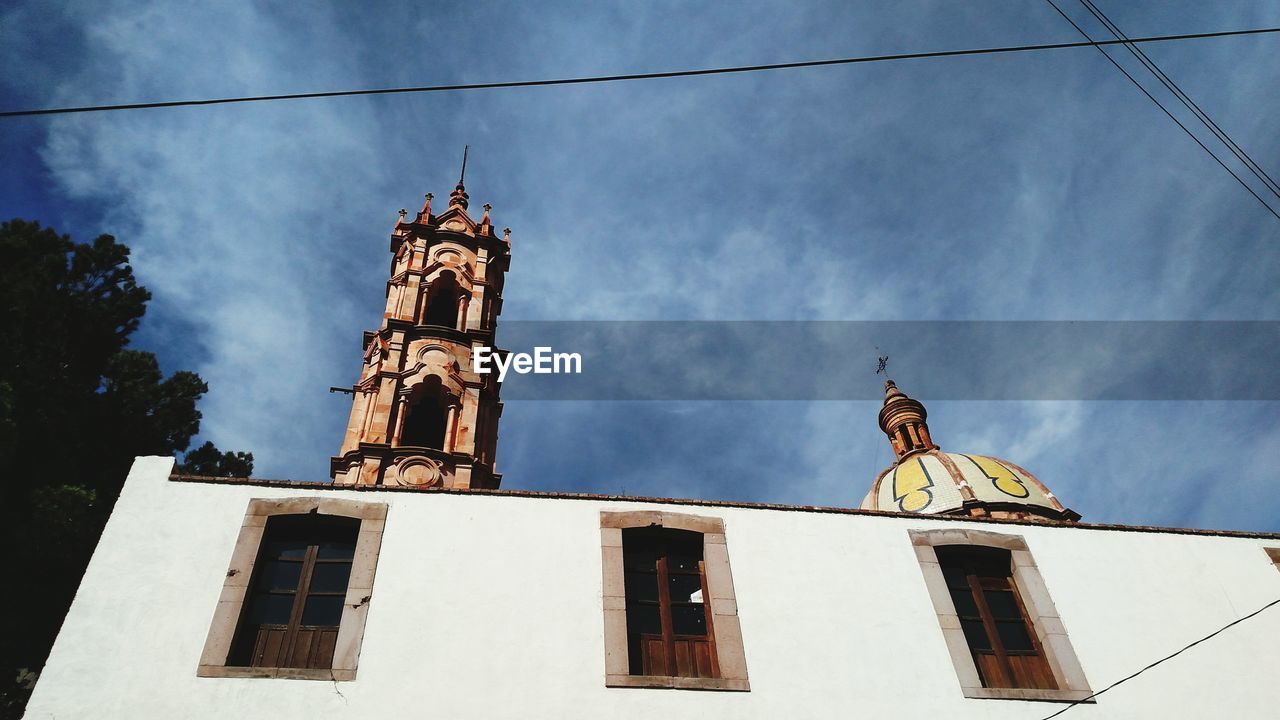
[(1036, 187)]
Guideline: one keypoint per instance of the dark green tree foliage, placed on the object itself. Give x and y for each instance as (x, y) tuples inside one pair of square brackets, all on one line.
[(206, 460), (76, 407)]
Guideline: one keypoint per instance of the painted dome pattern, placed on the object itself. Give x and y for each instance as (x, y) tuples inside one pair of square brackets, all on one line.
[(934, 481)]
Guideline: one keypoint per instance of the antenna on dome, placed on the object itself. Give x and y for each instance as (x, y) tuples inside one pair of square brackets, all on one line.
[(463, 175)]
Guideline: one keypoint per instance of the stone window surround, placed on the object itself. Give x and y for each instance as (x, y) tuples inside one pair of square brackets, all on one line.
[(372, 517), (1072, 684), (724, 605)]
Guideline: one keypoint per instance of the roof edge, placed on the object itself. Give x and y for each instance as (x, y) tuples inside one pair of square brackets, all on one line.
[(539, 494)]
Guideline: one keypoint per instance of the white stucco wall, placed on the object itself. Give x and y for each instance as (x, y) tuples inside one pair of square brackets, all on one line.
[(490, 607)]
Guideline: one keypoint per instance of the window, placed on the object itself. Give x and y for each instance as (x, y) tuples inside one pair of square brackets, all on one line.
[(667, 621), (1004, 645), (294, 607), (1000, 626), (296, 595), (670, 614)]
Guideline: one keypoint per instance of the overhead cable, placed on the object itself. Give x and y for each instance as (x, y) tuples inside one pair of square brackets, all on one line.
[(1186, 100), (1127, 678), (1158, 104), (636, 76)]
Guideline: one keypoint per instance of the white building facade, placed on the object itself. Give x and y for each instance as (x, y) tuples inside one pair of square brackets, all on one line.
[(464, 603)]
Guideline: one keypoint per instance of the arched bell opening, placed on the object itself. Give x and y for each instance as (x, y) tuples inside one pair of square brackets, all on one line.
[(443, 302), (427, 417)]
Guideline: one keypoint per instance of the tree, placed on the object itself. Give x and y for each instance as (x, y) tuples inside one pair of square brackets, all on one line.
[(76, 406), (206, 460)]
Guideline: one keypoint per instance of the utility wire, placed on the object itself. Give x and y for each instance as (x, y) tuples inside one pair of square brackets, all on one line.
[(1152, 98), (1186, 100), (1237, 621), (637, 76)]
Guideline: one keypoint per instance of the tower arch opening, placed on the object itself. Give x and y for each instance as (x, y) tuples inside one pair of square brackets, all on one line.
[(427, 421), (442, 302)]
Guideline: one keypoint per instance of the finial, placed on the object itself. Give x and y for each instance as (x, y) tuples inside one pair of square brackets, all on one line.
[(403, 212), (459, 195), (484, 221), (506, 234)]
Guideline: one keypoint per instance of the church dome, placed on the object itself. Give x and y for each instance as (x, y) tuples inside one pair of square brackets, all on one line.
[(924, 479)]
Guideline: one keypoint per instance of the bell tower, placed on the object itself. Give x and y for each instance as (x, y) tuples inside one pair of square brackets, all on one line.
[(420, 416)]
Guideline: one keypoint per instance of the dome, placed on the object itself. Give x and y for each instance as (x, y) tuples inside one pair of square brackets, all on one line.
[(933, 482), (924, 479)]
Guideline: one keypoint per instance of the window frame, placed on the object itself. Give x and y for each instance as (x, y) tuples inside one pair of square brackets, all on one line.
[(1039, 612), (726, 630), (235, 588)]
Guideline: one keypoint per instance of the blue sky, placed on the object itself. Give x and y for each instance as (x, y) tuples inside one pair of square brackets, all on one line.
[(1030, 187)]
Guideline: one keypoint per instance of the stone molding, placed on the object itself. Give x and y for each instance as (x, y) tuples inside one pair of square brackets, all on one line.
[(726, 628), (226, 617), (1072, 684)]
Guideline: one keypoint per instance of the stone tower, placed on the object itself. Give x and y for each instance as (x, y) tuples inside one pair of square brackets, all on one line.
[(419, 415)]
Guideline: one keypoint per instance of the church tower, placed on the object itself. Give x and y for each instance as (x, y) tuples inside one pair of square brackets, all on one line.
[(420, 416)]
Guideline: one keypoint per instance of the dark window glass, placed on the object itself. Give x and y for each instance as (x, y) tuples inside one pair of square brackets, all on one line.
[(322, 610), (287, 549), (1002, 605), (689, 619), (271, 609), (975, 634), (279, 575), (640, 560), (685, 588), (964, 602), (1014, 636), (644, 619), (956, 579), (332, 550), (684, 562), (330, 577), (300, 579), (642, 586)]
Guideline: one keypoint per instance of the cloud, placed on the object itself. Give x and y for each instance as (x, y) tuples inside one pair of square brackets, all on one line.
[(1029, 187)]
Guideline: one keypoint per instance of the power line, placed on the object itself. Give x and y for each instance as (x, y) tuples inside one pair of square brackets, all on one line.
[(636, 76), (1237, 621), (1152, 98), (1186, 100)]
